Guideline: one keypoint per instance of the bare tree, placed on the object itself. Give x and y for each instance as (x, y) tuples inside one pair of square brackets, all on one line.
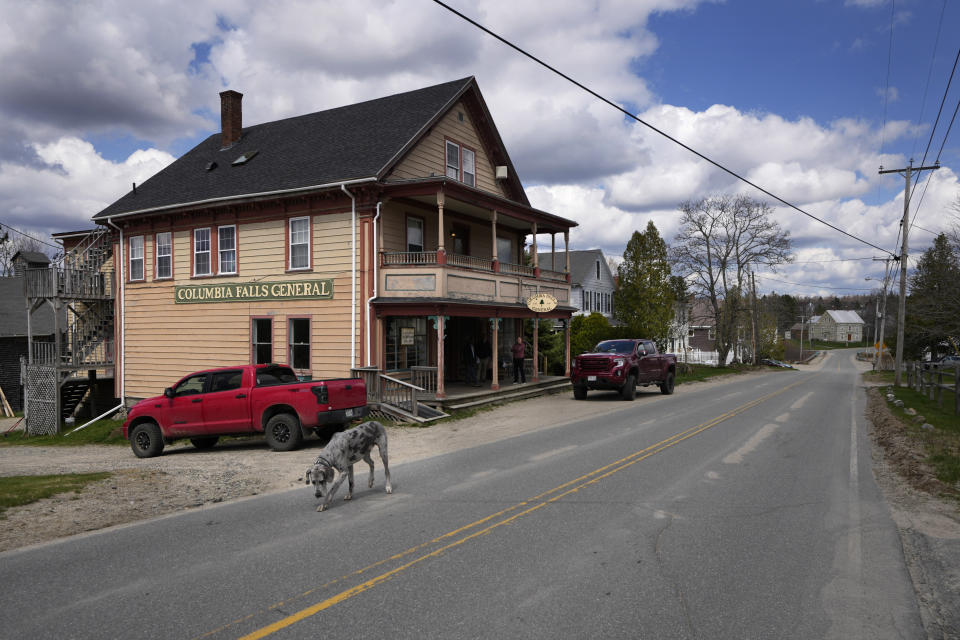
[(12, 243), (721, 239)]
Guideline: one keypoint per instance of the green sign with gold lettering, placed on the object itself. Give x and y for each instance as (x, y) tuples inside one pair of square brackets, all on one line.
[(254, 291)]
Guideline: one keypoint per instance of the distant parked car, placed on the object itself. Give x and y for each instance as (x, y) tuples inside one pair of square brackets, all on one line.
[(950, 360)]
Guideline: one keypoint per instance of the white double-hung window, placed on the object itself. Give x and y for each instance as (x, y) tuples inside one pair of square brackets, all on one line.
[(136, 258), (227, 241), (202, 265), (461, 163), (164, 256), (299, 243)]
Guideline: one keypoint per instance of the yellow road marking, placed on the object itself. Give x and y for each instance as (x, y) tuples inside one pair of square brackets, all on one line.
[(585, 480)]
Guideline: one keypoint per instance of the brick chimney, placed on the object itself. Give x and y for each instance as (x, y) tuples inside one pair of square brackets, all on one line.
[(231, 117)]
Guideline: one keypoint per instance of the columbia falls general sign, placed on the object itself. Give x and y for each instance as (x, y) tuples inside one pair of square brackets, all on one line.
[(254, 291)]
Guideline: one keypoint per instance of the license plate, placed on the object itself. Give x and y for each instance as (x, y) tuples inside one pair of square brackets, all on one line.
[(348, 412), (591, 378)]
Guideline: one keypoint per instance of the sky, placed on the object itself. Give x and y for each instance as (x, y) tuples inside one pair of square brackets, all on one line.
[(806, 98)]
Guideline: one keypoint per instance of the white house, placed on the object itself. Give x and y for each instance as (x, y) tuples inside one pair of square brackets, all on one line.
[(591, 281)]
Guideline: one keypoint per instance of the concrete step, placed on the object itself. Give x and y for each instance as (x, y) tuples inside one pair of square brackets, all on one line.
[(521, 393)]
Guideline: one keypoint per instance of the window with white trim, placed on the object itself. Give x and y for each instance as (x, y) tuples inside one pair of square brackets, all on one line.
[(164, 267), (414, 234), (201, 252), (299, 343), (227, 245), (300, 243), (453, 160), (469, 167), (136, 257)]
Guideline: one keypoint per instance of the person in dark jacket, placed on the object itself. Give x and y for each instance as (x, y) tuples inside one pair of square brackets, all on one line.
[(519, 351), (483, 353)]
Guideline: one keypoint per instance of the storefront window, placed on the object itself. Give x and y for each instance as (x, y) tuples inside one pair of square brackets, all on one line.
[(299, 338), (262, 340), (406, 343)]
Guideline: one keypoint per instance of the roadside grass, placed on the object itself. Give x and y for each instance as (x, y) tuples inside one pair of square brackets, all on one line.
[(100, 432), (942, 443), (701, 372), (16, 491)]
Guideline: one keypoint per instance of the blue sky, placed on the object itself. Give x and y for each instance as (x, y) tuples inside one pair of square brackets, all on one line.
[(787, 93)]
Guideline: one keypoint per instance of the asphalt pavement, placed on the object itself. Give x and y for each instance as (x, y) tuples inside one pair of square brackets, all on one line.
[(732, 511)]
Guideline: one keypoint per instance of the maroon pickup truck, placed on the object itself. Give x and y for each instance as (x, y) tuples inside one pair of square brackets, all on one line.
[(243, 400), (622, 365)]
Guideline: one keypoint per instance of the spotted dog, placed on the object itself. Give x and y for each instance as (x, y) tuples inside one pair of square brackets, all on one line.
[(344, 449)]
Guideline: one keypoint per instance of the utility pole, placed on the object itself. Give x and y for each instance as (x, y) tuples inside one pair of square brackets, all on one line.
[(754, 317), (878, 361), (905, 228), (801, 335)]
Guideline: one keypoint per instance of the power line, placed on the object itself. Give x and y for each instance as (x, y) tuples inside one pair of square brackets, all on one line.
[(653, 128), (833, 260), (886, 90), (27, 235), (933, 57), (816, 286)]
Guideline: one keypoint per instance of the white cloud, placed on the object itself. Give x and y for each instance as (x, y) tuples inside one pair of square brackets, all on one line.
[(74, 183)]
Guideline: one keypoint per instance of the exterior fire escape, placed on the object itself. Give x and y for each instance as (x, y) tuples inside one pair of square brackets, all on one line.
[(62, 374)]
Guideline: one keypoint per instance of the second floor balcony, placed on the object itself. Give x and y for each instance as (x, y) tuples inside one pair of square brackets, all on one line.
[(436, 274)]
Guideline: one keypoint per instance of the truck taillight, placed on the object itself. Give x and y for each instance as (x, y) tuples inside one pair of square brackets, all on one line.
[(322, 393)]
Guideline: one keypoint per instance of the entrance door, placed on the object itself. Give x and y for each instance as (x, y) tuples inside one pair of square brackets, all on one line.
[(458, 332)]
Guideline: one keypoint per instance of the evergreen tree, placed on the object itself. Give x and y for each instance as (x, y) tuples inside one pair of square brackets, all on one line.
[(933, 307), (645, 293)]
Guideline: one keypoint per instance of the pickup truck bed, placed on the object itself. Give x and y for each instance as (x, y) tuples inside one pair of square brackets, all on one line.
[(243, 400)]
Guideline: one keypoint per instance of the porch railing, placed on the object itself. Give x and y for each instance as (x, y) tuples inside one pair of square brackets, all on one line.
[(516, 269), (408, 257), (398, 393), (425, 377), (90, 354), (553, 275), (76, 283), (370, 377), (470, 262)]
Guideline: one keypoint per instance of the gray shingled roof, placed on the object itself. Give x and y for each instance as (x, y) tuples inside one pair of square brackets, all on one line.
[(346, 143), (33, 257), (581, 263), (13, 311)]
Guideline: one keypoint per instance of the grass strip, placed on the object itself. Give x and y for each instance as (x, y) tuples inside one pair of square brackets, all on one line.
[(100, 432), (16, 491)]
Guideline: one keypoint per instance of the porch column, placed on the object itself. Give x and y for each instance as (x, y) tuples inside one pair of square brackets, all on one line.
[(493, 238), (495, 348), (566, 349), (441, 250), (566, 250), (536, 348), (533, 249), (440, 323)]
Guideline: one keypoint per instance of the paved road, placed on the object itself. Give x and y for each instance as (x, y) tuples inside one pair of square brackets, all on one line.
[(735, 511)]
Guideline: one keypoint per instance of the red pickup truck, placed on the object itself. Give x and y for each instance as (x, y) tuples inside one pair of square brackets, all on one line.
[(622, 365), (263, 398)]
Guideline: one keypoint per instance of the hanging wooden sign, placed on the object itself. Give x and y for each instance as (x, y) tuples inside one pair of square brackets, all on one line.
[(541, 303)]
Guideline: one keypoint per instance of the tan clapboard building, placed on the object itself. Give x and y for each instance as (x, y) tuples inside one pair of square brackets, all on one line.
[(388, 234)]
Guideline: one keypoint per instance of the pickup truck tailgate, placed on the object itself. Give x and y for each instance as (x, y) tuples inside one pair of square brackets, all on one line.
[(341, 393)]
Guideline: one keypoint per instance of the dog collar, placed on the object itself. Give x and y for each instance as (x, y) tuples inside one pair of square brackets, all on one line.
[(323, 460)]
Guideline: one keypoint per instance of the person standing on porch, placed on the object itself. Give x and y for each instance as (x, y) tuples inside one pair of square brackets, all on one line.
[(483, 352), (519, 351)]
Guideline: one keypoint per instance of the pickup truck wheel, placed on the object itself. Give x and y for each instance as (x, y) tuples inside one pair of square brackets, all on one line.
[(283, 432), (204, 443), (629, 389), (580, 391), (666, 387), (146, 440)]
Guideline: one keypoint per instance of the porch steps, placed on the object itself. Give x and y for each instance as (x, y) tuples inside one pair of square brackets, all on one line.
[(522, 392), (425, 413)]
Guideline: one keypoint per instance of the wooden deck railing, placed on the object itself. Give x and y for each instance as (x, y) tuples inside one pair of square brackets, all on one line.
[(470, 262), (516, 269), (927, 378), (425, 377), (407, 257), (68, 283)]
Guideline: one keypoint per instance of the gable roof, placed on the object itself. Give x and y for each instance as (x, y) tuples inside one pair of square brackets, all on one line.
[(582, 263), (32, 257), (322, 149), (850, 317)]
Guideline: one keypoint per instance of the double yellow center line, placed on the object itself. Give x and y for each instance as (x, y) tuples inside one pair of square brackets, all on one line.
[(494, 521)]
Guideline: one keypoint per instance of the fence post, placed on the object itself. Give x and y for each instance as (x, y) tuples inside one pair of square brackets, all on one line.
[(939, 387), (909, 373), (931, 390), (956, 389)]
